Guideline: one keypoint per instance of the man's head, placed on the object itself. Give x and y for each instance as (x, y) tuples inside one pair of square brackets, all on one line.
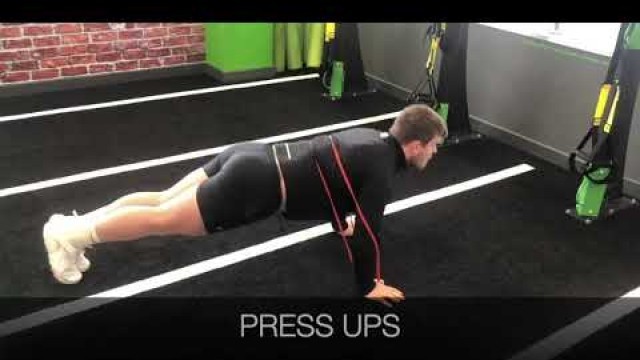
[(419, 130)]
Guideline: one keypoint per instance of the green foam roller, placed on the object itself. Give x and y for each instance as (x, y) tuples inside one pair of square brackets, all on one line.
[(294, 46), (633, 36), (314, 44), (279, 42), (305, 41)]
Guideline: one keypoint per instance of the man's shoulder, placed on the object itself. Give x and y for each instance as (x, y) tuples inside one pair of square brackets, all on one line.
[(360, 137), (362, 131)]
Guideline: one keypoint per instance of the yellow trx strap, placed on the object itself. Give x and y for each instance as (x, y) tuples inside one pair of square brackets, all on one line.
[(612, 112), (602, 103), (330, 32), (433, 49)]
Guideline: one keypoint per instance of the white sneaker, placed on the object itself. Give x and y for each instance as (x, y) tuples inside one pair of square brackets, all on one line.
[(62, 256), (82, 262)]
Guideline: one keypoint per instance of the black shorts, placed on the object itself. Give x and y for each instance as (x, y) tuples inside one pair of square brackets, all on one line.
[(243, 186)]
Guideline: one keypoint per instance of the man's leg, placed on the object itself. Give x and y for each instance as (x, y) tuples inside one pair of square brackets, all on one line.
[(174, 211), (177, 216), (66, 239), (196, 177)]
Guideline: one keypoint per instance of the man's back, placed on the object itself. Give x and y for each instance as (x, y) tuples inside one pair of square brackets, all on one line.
[(366, 156)]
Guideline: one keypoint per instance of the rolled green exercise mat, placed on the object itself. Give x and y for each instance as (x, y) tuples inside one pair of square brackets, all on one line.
[(294, 46), (305, 42), (633, 36), (314, 44), (279, 48)]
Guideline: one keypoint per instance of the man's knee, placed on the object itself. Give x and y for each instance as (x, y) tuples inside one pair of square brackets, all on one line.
[(176, 217)]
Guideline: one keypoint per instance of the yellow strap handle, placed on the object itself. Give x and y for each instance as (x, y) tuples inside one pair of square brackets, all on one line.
[(330, 32), (602, 103), (612, 113), (433, 50)]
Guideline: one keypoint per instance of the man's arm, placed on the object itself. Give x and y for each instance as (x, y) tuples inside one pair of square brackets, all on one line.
[(365, 249)]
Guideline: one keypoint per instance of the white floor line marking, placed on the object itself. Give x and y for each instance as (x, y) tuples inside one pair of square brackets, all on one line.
[(186, 156), (66, 309), (563, 339), (143, 99)]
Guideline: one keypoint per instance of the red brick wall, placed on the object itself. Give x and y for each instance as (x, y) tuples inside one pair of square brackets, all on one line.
[(41, 51)]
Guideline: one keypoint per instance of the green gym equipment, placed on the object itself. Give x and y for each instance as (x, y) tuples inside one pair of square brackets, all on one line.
[(449, 97), (600, 193)]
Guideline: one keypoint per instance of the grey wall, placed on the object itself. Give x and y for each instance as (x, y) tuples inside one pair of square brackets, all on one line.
[(534, 95), (394, 54)]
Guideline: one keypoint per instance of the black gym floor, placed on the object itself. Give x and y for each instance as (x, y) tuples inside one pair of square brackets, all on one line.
[(487, 272)]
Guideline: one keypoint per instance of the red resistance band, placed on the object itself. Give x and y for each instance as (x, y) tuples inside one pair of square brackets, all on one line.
[(361, 216)]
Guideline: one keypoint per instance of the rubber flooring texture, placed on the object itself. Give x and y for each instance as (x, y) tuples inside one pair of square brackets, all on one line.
[(487, 272)]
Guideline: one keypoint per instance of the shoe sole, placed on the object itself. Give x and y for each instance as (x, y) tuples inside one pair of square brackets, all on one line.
[(53, 248)]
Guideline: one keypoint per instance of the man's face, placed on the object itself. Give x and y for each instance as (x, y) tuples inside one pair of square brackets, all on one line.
[(423, 152)]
